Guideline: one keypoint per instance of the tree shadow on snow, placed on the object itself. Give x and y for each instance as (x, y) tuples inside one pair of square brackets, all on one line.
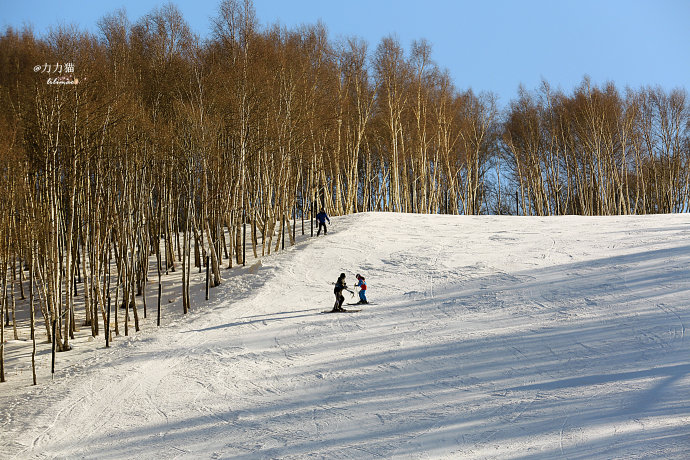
[(579, 360)]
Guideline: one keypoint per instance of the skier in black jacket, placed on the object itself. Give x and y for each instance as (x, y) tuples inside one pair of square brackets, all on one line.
[(338, 291), (321, 219)]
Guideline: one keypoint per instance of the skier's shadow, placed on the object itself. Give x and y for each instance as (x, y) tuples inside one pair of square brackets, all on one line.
[(260, 319)]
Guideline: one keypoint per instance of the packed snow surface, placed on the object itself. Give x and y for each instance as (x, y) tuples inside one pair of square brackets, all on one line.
[(490, 337)]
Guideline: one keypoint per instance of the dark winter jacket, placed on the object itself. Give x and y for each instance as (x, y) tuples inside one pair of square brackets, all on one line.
[(339, 286), (322, 217)]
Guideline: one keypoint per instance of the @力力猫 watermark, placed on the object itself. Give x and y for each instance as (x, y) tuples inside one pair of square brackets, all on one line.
[(55, 73)]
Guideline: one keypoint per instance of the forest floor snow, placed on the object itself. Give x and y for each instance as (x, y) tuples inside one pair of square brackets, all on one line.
[(491, 337)]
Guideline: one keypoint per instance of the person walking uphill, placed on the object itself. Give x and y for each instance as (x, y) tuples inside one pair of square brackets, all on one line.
[(338, 291), (321, 218), (362, 285)]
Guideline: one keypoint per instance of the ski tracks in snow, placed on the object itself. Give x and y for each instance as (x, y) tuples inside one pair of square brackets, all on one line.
[(120, 394), (491, 338)]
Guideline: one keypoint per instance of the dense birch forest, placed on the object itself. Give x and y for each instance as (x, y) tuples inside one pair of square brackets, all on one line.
[(144, 146)]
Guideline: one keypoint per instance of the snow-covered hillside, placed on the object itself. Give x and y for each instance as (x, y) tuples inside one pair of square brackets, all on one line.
[(491, 337)]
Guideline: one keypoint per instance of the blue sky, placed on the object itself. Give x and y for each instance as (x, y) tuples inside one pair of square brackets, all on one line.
[(491, 45)]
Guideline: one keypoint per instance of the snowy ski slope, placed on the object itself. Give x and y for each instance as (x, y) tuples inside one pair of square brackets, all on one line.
[(492, 337)]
